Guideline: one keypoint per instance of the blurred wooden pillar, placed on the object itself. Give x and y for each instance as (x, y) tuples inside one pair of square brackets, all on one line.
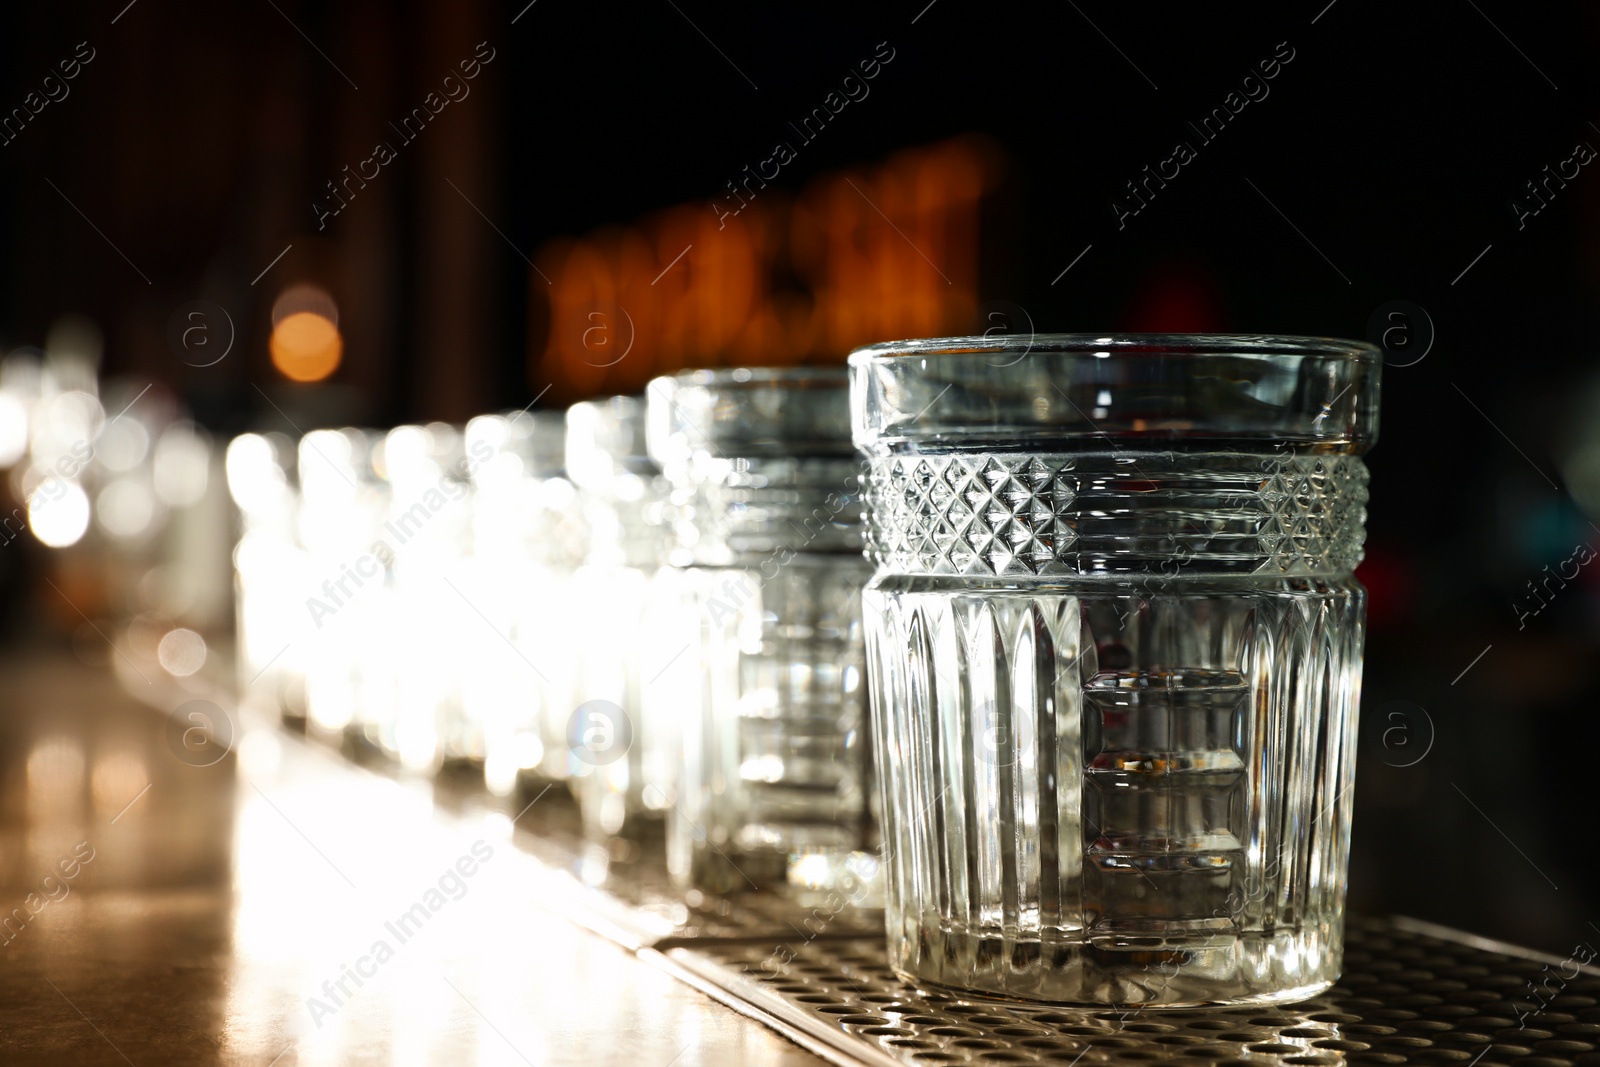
[(457, 325), (366, 246)]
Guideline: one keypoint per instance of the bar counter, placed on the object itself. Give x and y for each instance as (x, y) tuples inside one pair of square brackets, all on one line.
[(186, 885), (160, 908)]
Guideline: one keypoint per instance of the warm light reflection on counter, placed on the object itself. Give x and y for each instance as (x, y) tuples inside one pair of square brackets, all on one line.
[(55, 779), (327, 873), (118, 777)]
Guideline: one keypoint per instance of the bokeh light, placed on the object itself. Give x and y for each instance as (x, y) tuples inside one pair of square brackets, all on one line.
[(63, 431), (306, 347), (256, 479), (55, 777), (122, 444), (181, 652), (13, 429), (58, 512), (125, 507), (182, 466), (305, 343), (117, 779)]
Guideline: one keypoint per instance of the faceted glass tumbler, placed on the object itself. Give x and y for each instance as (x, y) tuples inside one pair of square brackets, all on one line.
[(1114, 650), (773, 789), (622, 493), (528, 539)]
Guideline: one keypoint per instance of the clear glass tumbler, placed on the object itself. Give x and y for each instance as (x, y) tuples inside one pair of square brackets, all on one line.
[(622, 493), (416, 666), (773, 788), (1115, 650), (528, 538)]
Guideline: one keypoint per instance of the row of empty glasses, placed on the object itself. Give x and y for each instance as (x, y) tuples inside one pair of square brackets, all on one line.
[(655, 602), (1097, 592)]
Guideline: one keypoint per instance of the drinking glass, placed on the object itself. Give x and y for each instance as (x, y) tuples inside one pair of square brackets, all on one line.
[(515, 605), (773, 787), (622, 493), (424, 542), (1114, 645)]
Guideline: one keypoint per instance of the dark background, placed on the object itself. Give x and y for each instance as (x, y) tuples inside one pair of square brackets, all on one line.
[(1385, 159)]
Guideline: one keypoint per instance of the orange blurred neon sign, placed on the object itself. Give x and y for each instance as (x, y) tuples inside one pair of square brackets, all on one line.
[(866, 255)]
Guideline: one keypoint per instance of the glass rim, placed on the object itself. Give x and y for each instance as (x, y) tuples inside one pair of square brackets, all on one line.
[(728, 412), (1142, 390), (606, 438), (825, 374), (1123, 343)]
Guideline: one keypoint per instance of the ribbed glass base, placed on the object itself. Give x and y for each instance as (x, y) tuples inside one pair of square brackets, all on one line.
[(1058, 966), (1112, 795)]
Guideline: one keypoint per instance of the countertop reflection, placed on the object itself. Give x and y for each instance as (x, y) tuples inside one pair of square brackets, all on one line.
[(278, 906)]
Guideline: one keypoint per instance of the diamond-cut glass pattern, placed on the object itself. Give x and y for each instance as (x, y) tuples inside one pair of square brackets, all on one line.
[(1007, 514)]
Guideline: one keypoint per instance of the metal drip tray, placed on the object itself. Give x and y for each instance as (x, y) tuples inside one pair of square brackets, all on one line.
[(1411, 993)]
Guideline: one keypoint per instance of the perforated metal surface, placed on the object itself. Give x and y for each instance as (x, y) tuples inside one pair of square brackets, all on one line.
[(1408, 996), (1411, 993)]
